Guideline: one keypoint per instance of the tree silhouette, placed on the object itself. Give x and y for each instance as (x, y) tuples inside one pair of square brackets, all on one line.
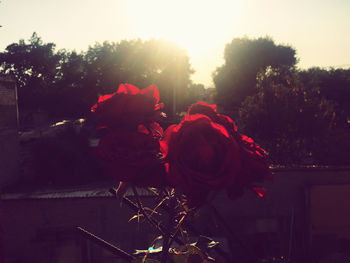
[(142, 63), (334, 85), (32, 64), (66, 83), (293, 121), (244, 58)]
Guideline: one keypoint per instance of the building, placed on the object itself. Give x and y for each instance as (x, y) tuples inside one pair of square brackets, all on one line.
[(9, 140)]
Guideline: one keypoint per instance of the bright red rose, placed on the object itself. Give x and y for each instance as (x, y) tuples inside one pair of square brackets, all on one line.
[(128, 106), (133, 156), (254, 164), (201, 155)]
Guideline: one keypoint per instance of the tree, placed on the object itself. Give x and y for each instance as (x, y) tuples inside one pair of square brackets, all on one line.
[(69, 89), (244, 58), (292, 121), (34, 66), (334, 85), (196, 93), (67, 83), (141, 63)]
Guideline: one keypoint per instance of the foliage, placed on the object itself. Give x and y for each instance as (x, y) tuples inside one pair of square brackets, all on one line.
[(34, 66), (140, 62), (196, 92), (244, 58), (295, 123), (47, 79), (334, 85)]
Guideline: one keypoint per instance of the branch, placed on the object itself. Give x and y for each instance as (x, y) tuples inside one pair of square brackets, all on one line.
[(166, 237), (142, 210), (99, 241)]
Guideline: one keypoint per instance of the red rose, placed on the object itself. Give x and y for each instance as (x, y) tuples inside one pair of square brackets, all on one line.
[(133, 156), (210, 111), (203, 108), (254, 164), (128, 106), (202, 157)]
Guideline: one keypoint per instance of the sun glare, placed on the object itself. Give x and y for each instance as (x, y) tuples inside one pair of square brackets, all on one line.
[(197, 26)]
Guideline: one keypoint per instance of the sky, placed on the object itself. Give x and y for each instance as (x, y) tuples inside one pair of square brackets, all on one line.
[(319, 30)]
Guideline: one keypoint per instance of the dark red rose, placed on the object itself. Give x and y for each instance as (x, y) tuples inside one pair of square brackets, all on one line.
[(203, 108), (201, 155), (210, 111), (254, 164), (128, 106), (133, 156)]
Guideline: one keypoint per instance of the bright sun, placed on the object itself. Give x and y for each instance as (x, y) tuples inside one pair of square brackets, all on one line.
[(197, 26)]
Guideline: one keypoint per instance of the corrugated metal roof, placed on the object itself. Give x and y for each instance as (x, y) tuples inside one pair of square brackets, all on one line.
[(70, 193), (96, 192)]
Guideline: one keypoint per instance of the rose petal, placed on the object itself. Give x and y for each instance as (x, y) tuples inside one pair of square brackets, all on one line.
[(203, 108), (166, 139), (101, 99), (260, 191), (151, 91), (128, 89), (202, 156)]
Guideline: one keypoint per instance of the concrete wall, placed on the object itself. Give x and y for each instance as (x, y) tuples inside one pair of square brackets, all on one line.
[(44, 230), (282, 223), (9, 141), (40, 229), (8, 103), (9, 157)]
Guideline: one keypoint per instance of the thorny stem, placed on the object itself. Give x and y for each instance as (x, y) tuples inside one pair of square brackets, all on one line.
[(99, 241), (161, 229), (192, 229), (142, 210), (157, 225), (177, 230), (166, 241)]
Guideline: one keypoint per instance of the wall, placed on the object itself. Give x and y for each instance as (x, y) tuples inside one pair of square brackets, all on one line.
[(9, 141), (40, 227)]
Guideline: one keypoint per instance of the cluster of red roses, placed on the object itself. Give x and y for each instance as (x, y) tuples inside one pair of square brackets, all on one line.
[(202, 154)]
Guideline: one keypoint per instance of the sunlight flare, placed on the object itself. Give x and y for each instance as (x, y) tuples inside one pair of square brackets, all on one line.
[(196, 26)]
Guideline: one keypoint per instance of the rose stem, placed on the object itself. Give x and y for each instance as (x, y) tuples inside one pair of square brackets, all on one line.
[(166, 243), (140, 208), (157, 225), (172, 238), (193, 230), (99, 241), (161, 228)]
